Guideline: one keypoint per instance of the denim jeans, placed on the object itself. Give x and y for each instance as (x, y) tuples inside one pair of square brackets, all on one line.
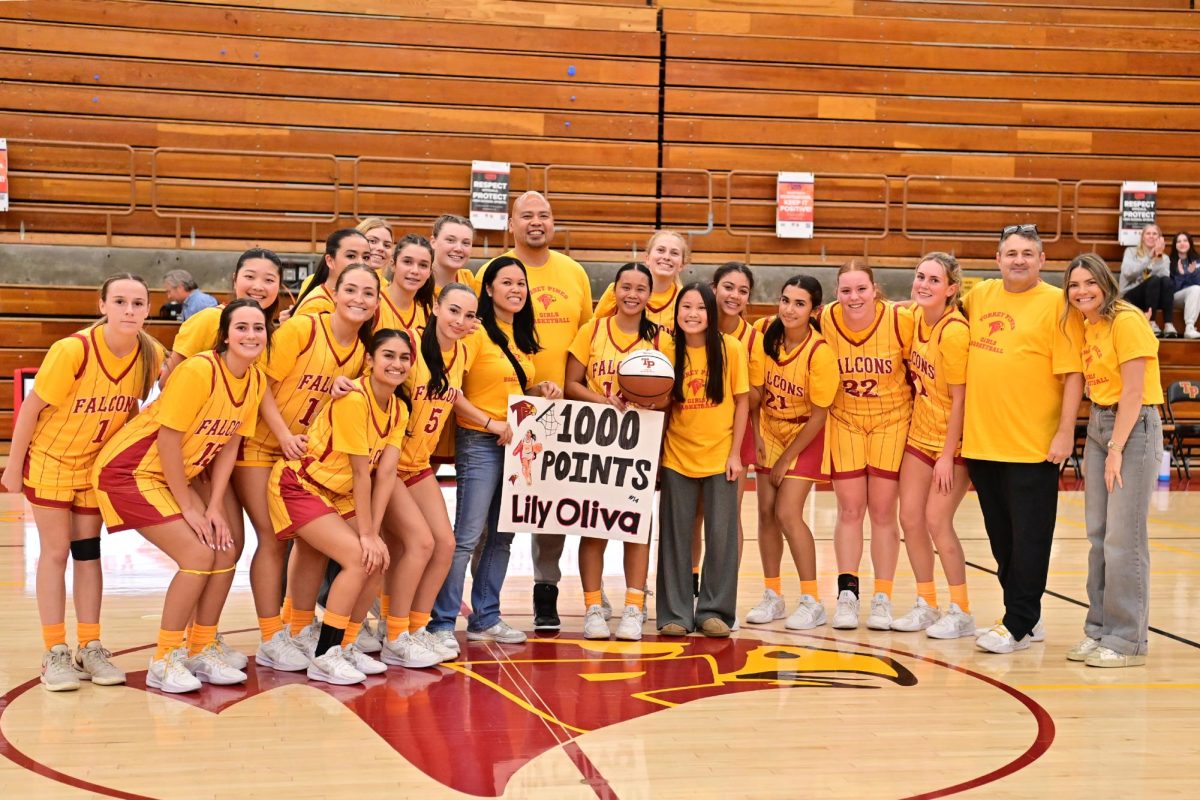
[(1118, 582), (479, 462)]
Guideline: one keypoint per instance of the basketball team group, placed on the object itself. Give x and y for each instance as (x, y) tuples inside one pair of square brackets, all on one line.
[(322, 420)]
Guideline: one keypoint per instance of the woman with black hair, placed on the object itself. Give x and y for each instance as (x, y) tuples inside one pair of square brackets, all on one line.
[(501, 365), (702, 459), (797, 385), (343, 248), (1185, 272), (597, 351)]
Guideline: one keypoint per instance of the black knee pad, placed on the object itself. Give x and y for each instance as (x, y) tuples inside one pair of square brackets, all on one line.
[(86, 549)]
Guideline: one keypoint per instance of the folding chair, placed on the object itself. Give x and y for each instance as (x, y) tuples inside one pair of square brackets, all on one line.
[(1185, 430)]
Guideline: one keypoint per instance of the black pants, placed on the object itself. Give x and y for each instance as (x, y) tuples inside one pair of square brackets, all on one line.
[(1019, 504), (1156, 293)]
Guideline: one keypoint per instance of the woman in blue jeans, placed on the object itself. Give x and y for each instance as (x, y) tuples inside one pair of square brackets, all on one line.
[(503, 365), (1124, 445)]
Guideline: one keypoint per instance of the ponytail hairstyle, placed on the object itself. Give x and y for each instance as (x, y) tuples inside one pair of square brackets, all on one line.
[(424, 295), (386, 334), (646, 329), (261, 252), (953, 272), (714, 347), (227, 316), (147, 346), (364, 330), (773, 338), (431, 351), (733, 266), (332, 245), (524, 329)]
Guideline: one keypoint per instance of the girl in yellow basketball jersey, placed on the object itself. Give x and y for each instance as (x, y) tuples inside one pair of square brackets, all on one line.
[(331, 501), (87, 387), (258, 275), (502, 365), (797, 384), (865, 436), (702, 460), (342, 248), (597, 351), (667, 254), (308, 353), (452, 238), (933, 475), (146, 478), (408, 298), (416, 520)]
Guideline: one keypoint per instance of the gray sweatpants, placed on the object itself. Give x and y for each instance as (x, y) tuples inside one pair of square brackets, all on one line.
[(1118, 582), (547, 550), (719, 573)]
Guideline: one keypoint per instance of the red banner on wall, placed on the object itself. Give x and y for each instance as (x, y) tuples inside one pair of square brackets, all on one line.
[(794, 205), (3, 174)]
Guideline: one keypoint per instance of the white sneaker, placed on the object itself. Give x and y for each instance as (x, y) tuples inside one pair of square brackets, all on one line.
[(999, 640), (234, 658), (1190, 332), (500, 632), (361, 661), (405, 651), (281, 653), (381, 632), (1106, 657), (170, 673), (845, 616), (1169, 331), (1038, 634), (919, 618), (366, 641), (332, 667), (208, 666), (1080, 651), (605, 605), (447, 640), (58, 673), (954, 624), (306, 640), (769, 609), (809, 614), (430, 642), (880, 618), (629, 629), (92, 663), (594, 624), (1157, 331)]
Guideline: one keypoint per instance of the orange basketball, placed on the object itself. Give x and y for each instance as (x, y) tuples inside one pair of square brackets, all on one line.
[(646, 377)]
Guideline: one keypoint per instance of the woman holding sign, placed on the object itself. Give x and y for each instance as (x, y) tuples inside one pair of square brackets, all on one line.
[(502, 364), (701, 460), (591, 376)]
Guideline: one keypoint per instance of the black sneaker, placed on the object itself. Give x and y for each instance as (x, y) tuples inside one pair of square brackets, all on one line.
[(545, 607)]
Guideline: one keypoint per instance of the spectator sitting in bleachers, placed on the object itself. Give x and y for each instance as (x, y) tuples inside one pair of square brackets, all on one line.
[(1186, 277), (182, 288), (1146, 280)]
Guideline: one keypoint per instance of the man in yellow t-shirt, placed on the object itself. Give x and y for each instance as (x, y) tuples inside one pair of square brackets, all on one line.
[(561, 295), (1024, 385)]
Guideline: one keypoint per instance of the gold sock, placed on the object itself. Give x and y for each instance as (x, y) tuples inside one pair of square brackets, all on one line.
[(958, 596), (884, 586), (774, 584), (385, 605), (301, 620), (635, 597), (809, 588), (87, 632), (54, 634), (167, 641), (269, 626), (352, 629), (417, 620), (927, 591), (200, 637), (286, 613), (592, 598), (396, 626), (339, 621)]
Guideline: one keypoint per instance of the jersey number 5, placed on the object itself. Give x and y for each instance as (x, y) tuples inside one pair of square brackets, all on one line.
[(434, 415)]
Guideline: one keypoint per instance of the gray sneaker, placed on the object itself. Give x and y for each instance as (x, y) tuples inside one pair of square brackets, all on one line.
[(500, 632), (92, 662), (58, 673)]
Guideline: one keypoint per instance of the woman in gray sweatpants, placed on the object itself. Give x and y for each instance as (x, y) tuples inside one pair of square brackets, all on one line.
[(1122, 454)]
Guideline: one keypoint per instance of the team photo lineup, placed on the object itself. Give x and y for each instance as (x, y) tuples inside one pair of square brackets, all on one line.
[(316, 424)]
